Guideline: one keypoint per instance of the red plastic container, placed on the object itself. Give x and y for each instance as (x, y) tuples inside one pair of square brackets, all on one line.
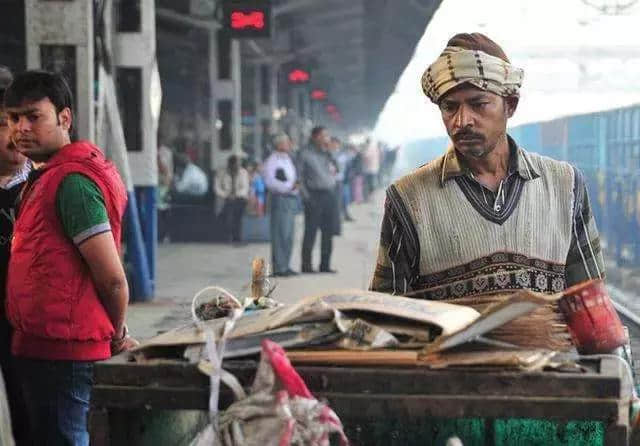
[(592, 319)]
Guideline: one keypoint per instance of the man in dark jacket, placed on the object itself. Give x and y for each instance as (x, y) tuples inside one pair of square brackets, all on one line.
[(317, 172), (67, 292), (14, 170)]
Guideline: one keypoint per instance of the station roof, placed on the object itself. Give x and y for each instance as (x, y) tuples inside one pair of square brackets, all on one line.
[(354, 49)]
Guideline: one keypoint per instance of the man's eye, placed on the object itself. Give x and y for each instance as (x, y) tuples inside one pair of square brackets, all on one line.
[(479, 104), (448, 108), (32, 118), (14, 118)]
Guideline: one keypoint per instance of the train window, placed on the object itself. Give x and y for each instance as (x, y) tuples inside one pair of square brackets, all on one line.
[(129, 84)]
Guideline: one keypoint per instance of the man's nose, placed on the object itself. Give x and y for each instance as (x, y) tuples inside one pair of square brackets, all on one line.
[(464, 117)]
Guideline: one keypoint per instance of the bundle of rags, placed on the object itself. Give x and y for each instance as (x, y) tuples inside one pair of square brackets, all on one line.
[(278, 411), (543, 328)]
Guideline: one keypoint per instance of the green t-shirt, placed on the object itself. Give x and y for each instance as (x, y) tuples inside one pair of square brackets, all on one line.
[(81, 208)]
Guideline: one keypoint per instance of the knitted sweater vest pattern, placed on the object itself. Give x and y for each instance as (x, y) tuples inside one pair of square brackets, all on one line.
[(462, 253)]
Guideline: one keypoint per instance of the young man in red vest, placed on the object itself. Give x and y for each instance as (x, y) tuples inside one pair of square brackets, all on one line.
[(66, 290)]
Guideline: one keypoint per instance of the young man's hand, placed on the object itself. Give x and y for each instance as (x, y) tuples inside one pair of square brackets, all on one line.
[(123, 344)]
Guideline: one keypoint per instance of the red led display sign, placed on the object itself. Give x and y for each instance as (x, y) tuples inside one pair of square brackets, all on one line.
[(331, 109), (241, 20), (247, 18), (298, 76), (318, 95)]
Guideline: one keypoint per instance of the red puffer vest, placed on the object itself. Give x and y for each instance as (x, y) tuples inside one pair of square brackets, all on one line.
[(52, 302)]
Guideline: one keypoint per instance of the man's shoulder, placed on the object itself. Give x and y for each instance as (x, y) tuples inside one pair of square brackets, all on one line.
[(427, 174), (547, 165)]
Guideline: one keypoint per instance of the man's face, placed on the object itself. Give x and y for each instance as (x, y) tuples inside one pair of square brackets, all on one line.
[(323, 139), (10, 158), (475, 119), (37, 130), (284, 146)]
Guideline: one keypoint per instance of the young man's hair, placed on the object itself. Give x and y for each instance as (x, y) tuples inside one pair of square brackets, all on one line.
[(35, 85), (317, 130)]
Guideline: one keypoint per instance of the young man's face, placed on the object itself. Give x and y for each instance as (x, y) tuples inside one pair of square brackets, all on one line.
[(10, 158), (475, 120), (37, 130)]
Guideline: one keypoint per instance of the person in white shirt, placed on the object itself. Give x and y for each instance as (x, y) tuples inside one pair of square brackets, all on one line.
[(191, 179), (280, 177), (232, 186)]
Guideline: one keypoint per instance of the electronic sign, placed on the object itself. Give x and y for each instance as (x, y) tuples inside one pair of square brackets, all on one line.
[(247, 18)]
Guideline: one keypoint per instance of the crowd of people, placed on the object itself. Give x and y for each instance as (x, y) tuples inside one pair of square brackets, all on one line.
[(321, 179)]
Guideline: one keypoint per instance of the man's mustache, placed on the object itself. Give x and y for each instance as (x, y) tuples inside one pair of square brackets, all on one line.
[(467, 134)]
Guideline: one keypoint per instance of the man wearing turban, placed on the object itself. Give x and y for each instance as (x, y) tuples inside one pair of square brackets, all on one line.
[(487, 216)]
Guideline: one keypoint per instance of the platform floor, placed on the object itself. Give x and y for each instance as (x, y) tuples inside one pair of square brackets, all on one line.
[(185, 268)]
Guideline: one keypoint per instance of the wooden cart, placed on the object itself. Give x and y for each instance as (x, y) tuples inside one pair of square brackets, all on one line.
[(127, 395)]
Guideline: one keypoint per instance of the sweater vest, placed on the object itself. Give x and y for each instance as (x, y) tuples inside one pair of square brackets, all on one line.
[(462, 253)]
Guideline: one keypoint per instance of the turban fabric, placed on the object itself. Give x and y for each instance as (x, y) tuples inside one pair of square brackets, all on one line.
[(457, 66)]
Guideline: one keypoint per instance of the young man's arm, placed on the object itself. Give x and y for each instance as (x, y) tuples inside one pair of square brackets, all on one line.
[(108, 276), (85, 221)]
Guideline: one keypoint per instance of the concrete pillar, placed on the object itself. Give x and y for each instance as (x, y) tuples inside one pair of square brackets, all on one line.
[(227, 90), (236, 79), (273, 95), (136, 69), (213, 99), (258, 110), (306, 104), (59, 38)]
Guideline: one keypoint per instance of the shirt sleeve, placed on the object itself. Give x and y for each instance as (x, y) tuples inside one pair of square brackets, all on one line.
[(300, 166), (395, 264), (81, 208), (243, 185), (584, 260), (273, 184)]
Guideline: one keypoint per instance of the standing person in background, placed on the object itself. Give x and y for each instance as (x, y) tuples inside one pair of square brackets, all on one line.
[(67, 291), (281, 179), (371, 167), (356, 174), (190, 181), (344, 158), (333, 149), (165, 181), (316, 170), (232, 186), (257, 190), (14, 171)]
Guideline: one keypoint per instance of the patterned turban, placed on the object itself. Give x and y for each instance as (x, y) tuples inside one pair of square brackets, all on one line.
[(458, 65)]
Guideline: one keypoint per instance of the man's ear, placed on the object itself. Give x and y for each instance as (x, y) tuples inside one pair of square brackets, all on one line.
[(510, 105), (66, 119)]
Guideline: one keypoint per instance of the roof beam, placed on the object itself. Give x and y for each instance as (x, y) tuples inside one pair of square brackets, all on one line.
[(184, 19), (292, 6)]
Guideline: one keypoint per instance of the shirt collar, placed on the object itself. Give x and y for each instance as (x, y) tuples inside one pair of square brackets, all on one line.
[(20, 176), (453, 167)]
